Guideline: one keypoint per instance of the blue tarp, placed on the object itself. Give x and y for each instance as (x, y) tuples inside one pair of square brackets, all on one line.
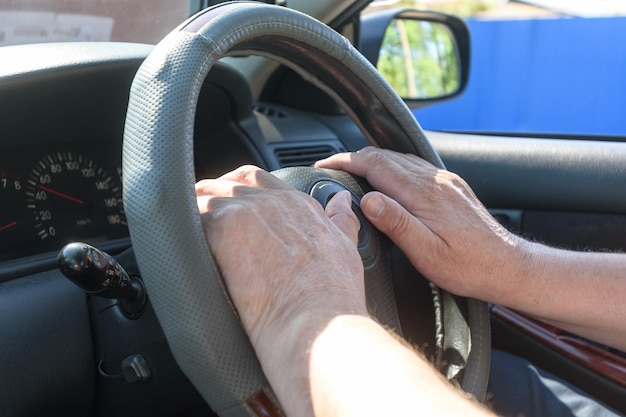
[(541, 76)]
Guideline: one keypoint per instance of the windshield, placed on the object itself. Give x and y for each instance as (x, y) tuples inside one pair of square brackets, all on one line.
[(538, 67), (37, 21)]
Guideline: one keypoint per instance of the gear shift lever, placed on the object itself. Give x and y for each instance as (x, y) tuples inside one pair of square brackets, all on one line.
[(98, 273)]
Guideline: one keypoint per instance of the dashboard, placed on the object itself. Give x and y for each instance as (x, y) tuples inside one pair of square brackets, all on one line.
[(63, 109), (60, 147), (62, 116)]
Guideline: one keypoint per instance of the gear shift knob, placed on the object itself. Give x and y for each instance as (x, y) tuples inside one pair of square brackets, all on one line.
[(97, 272)]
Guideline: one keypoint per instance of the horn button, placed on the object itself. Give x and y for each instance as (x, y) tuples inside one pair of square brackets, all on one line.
[(368, 245)]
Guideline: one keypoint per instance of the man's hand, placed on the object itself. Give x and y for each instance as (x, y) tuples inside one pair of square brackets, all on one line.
[(289, 266), (280, 254), (435, 218)]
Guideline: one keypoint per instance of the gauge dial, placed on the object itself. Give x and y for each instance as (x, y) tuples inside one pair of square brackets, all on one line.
[(70, 197)]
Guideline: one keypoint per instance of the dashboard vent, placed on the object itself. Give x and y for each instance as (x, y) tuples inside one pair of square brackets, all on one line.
[(269, 111), (293, 157)]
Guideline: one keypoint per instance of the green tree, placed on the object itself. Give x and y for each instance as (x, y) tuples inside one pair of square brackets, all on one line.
[(419, 59)]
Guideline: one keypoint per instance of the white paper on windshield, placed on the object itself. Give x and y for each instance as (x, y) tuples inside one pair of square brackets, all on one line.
[(18, 27)]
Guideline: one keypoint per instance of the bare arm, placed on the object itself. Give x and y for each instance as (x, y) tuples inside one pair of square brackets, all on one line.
[(581, 292), (436, 219), (358, 368), (296, 279)]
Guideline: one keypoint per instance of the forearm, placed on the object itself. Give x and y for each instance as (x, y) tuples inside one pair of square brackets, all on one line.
[(582, 292), (355, 367)]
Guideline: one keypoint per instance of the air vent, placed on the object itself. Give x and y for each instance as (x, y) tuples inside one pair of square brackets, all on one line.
[(269, 111), (293, 157)]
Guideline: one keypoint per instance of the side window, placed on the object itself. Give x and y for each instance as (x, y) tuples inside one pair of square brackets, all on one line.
[(534, 69)]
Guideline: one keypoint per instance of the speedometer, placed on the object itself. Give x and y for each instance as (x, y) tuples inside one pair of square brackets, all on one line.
[(71, 197)]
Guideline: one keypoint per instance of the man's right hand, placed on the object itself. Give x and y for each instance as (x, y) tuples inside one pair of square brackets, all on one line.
[(436, 220)]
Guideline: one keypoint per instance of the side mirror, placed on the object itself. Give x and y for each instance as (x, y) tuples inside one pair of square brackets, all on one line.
[(423, 55)]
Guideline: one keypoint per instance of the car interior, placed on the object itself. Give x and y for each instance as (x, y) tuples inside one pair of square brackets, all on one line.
[(75, 125)]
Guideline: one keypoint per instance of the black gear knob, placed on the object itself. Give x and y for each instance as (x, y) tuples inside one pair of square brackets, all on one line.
[(97, 272)]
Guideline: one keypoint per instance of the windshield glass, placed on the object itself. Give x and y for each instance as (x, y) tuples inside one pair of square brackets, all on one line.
[(37, 21), (537, 67)]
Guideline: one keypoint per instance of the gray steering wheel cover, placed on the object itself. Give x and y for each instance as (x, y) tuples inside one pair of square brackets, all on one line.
[(232, 31), (158, 173), (479, 362)]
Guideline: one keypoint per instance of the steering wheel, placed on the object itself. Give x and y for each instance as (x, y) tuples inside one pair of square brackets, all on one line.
[(183, 282)]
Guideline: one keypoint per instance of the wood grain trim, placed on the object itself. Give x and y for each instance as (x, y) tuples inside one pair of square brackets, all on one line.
[(263, 406), (594, 358)]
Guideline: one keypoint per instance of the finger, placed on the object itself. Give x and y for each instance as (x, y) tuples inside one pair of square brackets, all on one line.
[(222, 188), (404, 229), (400, 176), (204, 187), (341, 161), (339, 211), (426, 177), (209, 192), (254, 176), (203, 202), (407, 160), (209, 204), (357, 161), (367, 163)]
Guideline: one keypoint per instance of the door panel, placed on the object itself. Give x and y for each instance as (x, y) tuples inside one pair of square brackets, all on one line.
[(565, 193)]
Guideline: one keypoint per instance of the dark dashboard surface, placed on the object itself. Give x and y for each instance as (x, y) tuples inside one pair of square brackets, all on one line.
[(62, 112)]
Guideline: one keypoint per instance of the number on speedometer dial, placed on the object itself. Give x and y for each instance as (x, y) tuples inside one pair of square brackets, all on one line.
[(73, 198)]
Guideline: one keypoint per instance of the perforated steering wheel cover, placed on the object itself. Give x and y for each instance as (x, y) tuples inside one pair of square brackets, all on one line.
[(158, 172)]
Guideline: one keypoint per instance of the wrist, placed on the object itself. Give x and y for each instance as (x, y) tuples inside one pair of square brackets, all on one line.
[(285, 354), (523, 264), (296, 318), (507, 267), (284, 343)]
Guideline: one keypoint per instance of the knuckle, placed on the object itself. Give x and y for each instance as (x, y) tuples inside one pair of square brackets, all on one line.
[(347, 219), (352, 217), (399, 224), (455, 180), (367, 150), (252, 173), (421, 182), (452, 184), (372, 155), (246, 172)]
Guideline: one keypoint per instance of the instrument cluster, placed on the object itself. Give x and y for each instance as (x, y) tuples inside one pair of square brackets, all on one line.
[(53, 195)]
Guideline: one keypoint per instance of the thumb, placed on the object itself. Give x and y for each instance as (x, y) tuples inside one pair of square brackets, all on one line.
[(339, 211), (388, 216)]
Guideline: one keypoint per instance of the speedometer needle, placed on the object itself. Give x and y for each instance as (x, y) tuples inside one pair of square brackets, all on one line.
[(60, 194), (7, 226)]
